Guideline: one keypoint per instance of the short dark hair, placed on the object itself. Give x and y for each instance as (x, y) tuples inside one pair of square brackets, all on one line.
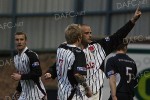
[(122, 46), (21, 33)]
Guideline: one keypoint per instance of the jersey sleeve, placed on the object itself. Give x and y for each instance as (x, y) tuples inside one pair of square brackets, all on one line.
[(80, 63), (110, 67), (52, 71), (35, 68), (111, 43)]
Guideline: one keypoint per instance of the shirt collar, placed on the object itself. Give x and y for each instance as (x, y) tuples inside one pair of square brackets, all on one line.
[(72, 45), (24, 50)]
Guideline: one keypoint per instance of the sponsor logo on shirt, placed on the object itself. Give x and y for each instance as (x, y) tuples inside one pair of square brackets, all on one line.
[(78, 51), (81, 69), (110, 73), (90, 65), (107, 39), (35, 64)]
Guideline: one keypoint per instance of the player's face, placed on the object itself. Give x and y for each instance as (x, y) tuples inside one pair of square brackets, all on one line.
[(87, 36), (20, 42)]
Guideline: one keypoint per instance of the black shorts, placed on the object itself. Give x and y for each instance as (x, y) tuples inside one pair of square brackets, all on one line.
[(123, 96)]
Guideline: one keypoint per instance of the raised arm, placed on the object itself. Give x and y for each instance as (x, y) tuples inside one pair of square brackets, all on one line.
[(136, 15), (111, 43)]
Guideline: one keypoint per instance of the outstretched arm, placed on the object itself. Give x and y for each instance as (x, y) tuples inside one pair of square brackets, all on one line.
[(111, 43), (51, 72)]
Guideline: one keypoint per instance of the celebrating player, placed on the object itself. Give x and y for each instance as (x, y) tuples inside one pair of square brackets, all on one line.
[(71, 66)]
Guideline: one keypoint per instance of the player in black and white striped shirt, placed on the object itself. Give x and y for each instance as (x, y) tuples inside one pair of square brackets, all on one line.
[(71, 66), (30, 86), (96, 53)]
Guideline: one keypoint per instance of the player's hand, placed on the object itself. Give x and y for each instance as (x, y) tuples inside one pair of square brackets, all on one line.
[(88, 92), (137, 15), (16, 76), (16, 95), (114, 98), (47, 76)]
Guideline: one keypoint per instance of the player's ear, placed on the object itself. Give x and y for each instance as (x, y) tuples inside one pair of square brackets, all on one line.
[(79, 39)]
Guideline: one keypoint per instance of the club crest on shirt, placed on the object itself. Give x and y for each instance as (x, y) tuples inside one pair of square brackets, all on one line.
[(81, 69), (35, 64), (107, 39), (91, 48)]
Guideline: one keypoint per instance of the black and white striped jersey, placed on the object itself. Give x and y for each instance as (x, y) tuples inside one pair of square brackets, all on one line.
[(96, 53), (95, 56), (70, 60), (30, 85)]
